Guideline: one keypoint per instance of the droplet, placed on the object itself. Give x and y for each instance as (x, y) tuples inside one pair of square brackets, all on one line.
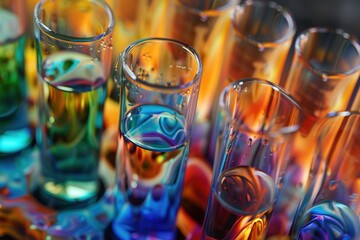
[(158, 192), (261, 47), (353, 197), (333, 185), (203, 18), (324, 77)]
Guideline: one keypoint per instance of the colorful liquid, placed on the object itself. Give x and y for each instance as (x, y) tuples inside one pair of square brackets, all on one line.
[(14, 132), (151, 159), (72, 95), (240, 205), (328, 220)]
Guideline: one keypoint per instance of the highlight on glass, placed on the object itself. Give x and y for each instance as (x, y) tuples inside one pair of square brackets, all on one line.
[(331, 206), (256, 124), (74, 51), (324, 71), (322, 78), (159, 82), (260, 37), (203, 25)]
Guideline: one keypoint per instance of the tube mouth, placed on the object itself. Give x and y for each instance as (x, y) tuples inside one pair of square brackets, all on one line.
[(40, 14), (346, 59), (269, 12), (186, 52), (208, 8), (232, 111)]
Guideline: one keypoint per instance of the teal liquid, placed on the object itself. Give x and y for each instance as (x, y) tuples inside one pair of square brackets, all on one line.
[(72, 93), (151, 160), (15, 134)]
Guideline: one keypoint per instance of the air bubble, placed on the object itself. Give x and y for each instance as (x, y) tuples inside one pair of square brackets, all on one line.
[(333, 185), (261, 47), (353, 197), (324, 77)]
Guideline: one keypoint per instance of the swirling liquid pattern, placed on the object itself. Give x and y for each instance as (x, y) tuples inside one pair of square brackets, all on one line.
[(151, 158), (73, 92), (241, 204), (23, 217), (329, 220)]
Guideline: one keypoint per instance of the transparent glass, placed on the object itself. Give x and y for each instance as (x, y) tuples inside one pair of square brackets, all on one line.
[(159, 82), (322, 77), (74, 52), (255, 128), (324, 71), (331, 206), (15, 131), (205, 26), (259, 40)]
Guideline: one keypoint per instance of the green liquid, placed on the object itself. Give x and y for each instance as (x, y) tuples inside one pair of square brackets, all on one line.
[(14, 132), (72, 93)]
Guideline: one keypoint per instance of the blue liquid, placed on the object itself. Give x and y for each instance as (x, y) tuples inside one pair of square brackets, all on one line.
[(328, 220), (152, 155), (15, 133), (73, 92)]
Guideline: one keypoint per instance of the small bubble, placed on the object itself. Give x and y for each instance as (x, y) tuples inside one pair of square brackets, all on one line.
[(324, 77), (353, 197), (261, 47), (250, 142), (333, 185), (203, 18)]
